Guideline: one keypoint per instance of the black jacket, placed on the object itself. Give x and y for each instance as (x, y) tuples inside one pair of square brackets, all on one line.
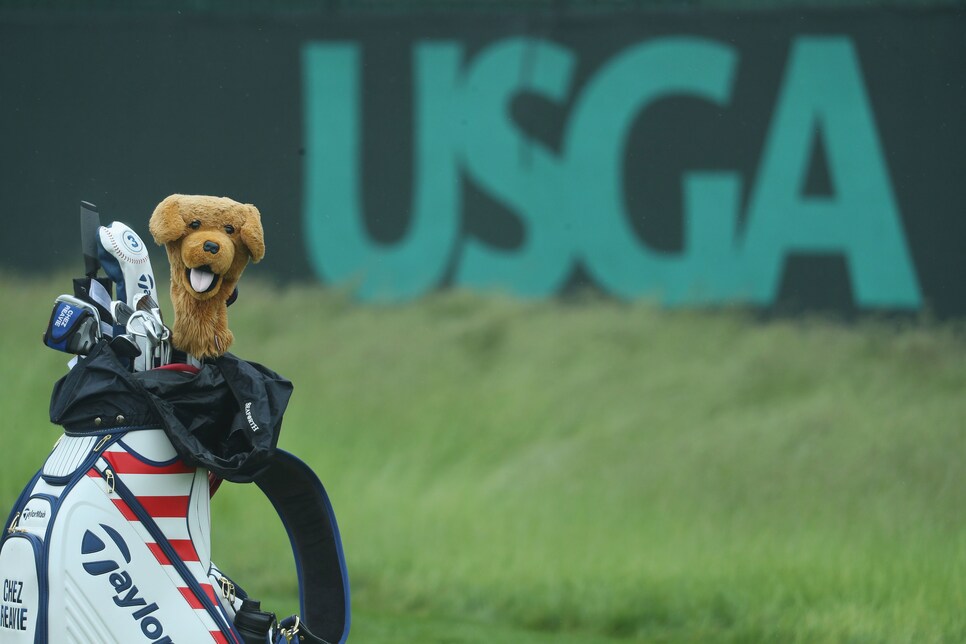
[(226, 418)]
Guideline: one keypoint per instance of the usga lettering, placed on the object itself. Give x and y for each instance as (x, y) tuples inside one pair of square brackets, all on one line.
[(571, 201)]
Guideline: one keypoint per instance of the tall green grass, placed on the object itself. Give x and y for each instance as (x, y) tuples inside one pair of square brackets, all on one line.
[(592, 470)]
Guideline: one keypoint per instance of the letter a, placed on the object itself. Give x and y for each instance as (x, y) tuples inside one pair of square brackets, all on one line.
[(823, 92)]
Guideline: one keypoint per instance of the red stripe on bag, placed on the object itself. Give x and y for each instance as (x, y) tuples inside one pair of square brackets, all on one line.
[(219, 637), (161, 507), (210, 591), (126, 463), (158, 554), (192, 600), (184, 549), (214, 483), (125, 509)]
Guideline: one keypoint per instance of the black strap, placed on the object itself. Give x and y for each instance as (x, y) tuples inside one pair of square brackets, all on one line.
[(302, 504), (293, 629)]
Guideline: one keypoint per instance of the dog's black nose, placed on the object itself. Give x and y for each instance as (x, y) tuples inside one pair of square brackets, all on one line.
[(211, 247)]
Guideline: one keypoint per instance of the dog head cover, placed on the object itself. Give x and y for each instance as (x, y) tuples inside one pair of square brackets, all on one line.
[(209, 241)]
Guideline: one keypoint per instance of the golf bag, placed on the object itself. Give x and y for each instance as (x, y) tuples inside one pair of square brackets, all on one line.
[(110, 540)]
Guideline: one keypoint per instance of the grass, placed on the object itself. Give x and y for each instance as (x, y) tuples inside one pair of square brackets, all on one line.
[(591, 471)]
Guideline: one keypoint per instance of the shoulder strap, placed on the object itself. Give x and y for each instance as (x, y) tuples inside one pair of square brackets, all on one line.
[(302, 504)]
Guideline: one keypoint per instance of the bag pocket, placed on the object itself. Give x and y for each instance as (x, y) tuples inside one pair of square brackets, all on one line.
[(23, 580)]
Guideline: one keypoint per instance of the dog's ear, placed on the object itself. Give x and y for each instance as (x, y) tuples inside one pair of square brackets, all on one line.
[(166, 224), (251, 233)]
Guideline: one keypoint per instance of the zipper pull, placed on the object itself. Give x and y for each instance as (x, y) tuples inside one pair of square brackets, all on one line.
[(13, 525), (101, 443), (227, 589), (109, 477)]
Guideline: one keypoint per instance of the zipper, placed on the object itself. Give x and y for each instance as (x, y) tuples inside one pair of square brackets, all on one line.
[(14, 515), (13, 525), (227, 589), (101, 443), (162, 541)]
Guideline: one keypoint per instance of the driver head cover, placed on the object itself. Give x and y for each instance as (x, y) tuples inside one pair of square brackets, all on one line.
[(209, 241), (125, 259)]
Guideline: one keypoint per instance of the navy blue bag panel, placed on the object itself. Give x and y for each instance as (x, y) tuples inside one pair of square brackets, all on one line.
[(23, 572)]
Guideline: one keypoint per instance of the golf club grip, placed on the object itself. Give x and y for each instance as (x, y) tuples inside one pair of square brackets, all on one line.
[(90, 221)]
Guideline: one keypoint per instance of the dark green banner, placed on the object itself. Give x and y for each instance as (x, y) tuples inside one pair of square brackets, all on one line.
[(783, 160)]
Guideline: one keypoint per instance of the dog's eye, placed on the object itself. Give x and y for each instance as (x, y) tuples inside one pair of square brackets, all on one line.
[(229, 229), (195, 224)]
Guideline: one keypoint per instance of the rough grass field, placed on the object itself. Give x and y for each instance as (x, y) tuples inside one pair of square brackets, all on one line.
[(588, 471)]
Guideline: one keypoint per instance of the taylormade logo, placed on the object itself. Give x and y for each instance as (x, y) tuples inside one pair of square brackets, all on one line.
[(126, 592), (248, 415)]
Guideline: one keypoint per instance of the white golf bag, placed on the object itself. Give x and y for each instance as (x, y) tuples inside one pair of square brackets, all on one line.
[(110, 540)]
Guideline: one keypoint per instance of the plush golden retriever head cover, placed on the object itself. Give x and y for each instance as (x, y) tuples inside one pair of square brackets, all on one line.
[(209, 241)]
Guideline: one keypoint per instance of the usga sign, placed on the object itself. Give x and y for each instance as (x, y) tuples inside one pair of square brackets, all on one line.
[(571, 203)]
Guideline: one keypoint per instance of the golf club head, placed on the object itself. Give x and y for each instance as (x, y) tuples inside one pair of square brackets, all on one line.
[(145, 302), (74, 327), (152, 339), (121, 312), (125, 346), (90, 223)]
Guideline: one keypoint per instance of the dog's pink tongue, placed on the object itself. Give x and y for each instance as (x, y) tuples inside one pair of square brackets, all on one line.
[(201, 280)]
